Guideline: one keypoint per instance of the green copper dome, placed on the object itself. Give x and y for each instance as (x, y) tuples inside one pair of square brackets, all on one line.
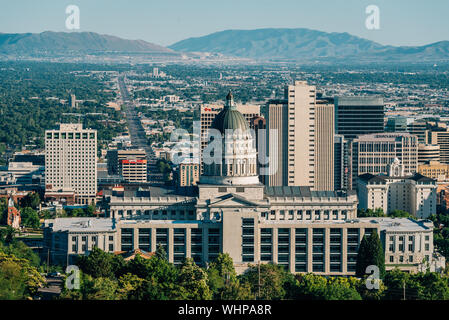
[(230, 118)]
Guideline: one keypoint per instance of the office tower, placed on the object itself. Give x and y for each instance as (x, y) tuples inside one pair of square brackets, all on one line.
[(133, 170), (259, 125), (292, 150), (342, 163), (189, 173), (36, 158), (324, 144), (419, 129), (72, 101), (428, 152), (441, 138), (156, 72), (355, 116), (396, 124), (70, 163), (374, 153), (115, 157)]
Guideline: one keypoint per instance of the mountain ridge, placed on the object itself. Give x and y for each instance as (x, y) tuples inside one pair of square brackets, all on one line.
[(82, 42), (303, 43)]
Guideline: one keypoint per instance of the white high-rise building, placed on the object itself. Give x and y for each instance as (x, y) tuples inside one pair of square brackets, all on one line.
[(292, 150), (70, 163)]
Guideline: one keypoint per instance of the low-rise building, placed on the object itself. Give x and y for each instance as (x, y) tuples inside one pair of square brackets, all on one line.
[(66, 238), (408, 244), (414, 194), (435, 170)]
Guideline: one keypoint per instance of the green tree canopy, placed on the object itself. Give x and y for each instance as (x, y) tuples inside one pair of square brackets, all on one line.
[(370, 253), (192, 282), (30, 218), (97, 264), (275, 281)]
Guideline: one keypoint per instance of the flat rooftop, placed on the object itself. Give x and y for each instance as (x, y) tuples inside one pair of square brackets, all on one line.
[(81, 224), (400, 224)]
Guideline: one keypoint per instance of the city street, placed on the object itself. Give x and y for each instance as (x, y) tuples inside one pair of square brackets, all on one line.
[(136, 132)]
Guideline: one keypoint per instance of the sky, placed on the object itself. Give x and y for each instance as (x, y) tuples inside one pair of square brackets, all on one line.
[(164, 22)]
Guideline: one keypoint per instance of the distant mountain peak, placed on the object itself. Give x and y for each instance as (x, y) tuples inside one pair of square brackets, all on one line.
[(301, 44), (82, 42)]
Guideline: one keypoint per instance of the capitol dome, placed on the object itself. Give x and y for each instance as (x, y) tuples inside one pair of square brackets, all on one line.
[(238, 162), (230, 118)]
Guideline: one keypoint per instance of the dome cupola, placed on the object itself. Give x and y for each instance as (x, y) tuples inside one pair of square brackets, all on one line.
[(238, 162)]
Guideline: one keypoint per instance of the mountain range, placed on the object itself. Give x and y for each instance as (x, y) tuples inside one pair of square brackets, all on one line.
[(297, 45), (72, 43), (304, 44)]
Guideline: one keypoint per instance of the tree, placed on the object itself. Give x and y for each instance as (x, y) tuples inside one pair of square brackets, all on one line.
[(275, 281), (7, 235), (101, 289), (31, 200), (3, 211), (21, 251), (30, 218), (131, 287), (378, 212), (97, 264), (370, 253), (77, 212), (90, 211), (12, 281), (316, 287), (18, 279), (160, 252), (223, 282), (160, 277), (400, 214), (192, 281)]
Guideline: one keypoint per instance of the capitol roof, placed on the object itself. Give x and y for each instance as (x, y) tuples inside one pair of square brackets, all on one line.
[(230, 118)]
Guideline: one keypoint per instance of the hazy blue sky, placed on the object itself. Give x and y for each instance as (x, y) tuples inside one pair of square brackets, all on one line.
[(402, 22)]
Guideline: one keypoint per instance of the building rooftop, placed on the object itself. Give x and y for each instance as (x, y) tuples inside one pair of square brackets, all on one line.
[(368, 177), (360, 100), (82, 224), (289, 191), (387, 136), (400, 224)]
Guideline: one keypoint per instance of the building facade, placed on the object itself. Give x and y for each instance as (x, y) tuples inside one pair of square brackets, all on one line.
[(428, 153), (356, 116), (70, 163), (342, 163), (374, 153), (292, 149), (414, 194), (189, 173), (441, 138), (435, 170), (324, 145)]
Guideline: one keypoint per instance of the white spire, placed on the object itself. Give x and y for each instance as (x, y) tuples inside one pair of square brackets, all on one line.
[(10, 202)]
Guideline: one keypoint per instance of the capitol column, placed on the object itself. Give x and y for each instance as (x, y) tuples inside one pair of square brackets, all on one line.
[(170, 245), (292, 250), (275, 244), (188, 242)]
